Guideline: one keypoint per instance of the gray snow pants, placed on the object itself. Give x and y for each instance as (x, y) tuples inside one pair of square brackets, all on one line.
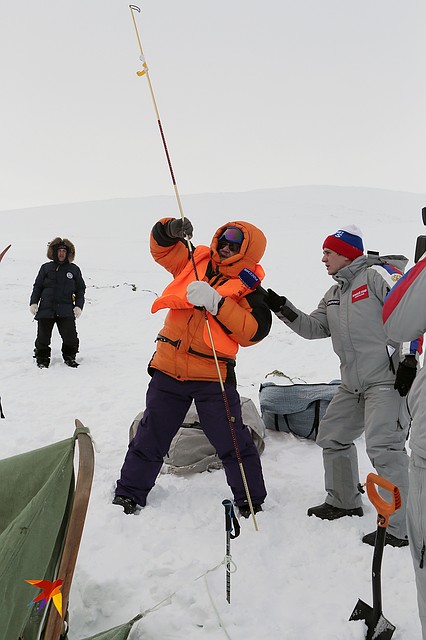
[(416, 524), (376, 412)]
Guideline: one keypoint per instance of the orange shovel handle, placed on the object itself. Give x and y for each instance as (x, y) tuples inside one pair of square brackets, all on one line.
[(384, 508)]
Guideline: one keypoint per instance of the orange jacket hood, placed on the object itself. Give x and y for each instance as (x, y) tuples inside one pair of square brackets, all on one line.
[(252, 249)]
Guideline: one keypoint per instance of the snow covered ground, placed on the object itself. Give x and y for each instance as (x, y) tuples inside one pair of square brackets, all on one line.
[(296, 577)]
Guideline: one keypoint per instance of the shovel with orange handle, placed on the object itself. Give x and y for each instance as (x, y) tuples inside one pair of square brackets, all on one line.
[(378, 628)]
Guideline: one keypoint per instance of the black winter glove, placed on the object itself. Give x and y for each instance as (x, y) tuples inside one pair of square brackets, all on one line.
[(179, 228), (274, 301), (405, 375)]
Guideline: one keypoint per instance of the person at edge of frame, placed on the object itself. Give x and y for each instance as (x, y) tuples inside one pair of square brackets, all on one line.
[(404, 318)]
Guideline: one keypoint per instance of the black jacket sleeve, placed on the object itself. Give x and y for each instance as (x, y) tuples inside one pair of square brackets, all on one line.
[(80, 289), (261, 313), (38, 287)]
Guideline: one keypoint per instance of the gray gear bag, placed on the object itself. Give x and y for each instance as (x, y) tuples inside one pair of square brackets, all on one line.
[(295, 408), (191, 452)]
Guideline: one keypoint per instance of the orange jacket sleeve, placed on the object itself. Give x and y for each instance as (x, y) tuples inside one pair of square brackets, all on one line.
[(171, 253)]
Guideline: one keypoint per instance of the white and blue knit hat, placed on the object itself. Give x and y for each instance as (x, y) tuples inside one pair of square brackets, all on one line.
[(347, 242)]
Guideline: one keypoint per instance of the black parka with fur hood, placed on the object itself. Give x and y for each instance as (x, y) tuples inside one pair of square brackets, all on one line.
[(59, 287)]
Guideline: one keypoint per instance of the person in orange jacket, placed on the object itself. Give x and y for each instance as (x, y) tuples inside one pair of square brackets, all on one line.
[(219, 284)]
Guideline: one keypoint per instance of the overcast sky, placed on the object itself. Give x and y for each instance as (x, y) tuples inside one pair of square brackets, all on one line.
[(251, 94)]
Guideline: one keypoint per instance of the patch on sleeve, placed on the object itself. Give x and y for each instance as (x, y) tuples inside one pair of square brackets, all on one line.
[(389, 273), (360, 294)]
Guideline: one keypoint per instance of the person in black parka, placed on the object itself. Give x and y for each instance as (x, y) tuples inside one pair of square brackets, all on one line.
[(58, 297)]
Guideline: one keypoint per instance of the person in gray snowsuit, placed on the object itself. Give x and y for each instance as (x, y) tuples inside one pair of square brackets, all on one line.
[(375, 373), (404, 317)]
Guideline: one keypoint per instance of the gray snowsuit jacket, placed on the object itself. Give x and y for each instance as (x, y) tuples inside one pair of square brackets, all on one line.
[(404, 317), (351, 313)]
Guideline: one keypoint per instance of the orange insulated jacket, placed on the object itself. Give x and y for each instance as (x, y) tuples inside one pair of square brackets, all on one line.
[(184, 349)]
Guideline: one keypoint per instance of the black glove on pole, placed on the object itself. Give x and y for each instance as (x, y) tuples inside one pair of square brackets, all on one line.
[(179, 228), (405, 375), (274, 301)]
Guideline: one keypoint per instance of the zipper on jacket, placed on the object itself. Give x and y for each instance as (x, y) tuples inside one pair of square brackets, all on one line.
[(174, 343), (219, 280), (205, 355), (214, 277)]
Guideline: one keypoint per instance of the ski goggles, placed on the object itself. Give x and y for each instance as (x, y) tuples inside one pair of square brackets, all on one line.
[(233, 237)]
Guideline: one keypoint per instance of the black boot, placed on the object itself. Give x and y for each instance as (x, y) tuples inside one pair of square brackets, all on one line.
[(43, 363), (245, 512), (42, 357), (129, 505), (70, 361), (393, 541), (326, 511)]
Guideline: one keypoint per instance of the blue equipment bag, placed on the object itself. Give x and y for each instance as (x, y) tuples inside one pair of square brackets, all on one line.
[(295, 408)]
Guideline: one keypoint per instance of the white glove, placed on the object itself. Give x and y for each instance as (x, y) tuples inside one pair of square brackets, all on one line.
[(201, 294), (33, 308), (77, 312)]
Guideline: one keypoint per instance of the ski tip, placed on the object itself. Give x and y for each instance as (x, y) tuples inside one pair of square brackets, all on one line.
[(81, 429), (4, 251)]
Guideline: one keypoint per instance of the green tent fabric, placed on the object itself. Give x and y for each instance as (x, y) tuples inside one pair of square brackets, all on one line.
[(36, 491), (118, 633), (36, 496)]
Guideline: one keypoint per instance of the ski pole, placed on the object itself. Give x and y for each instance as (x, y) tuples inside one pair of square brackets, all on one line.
[(230, 521), (145, 72)]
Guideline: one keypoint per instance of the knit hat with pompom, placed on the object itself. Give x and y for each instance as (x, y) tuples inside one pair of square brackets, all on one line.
[(347, 242)]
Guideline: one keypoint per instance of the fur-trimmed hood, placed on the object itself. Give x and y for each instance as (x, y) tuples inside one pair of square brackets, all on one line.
[(52, 249)]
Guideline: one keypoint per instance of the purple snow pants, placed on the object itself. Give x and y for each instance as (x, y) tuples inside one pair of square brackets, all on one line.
[(167, 402)]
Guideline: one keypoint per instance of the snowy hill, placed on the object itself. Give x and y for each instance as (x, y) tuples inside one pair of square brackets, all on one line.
[(297, 577)]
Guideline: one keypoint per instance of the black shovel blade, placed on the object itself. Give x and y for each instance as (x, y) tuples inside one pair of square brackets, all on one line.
[(378, 627)]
